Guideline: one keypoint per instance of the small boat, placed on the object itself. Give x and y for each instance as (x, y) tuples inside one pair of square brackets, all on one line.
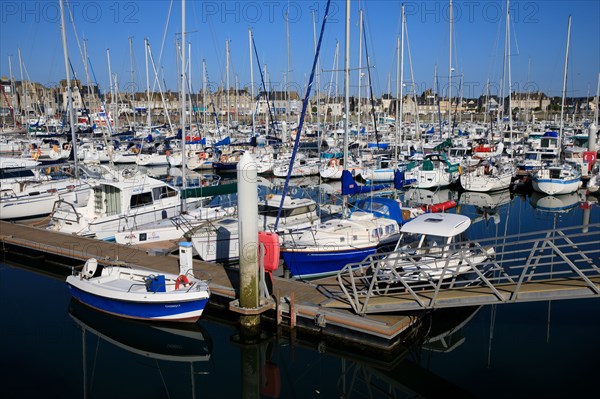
[(140, 293), (433, 247), (557, 179)]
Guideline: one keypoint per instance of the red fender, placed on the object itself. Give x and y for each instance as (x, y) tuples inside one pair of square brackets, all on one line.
[(272, 249)]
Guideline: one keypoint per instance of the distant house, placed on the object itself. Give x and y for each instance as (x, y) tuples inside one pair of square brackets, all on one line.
[(529, 101)]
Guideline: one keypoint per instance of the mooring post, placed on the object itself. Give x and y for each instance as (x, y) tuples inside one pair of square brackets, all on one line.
[(248, 241), (186, 261), (292, 311), (592, 137)]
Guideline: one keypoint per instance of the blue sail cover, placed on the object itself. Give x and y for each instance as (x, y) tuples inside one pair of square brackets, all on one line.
[(225, 141), (351, 187)]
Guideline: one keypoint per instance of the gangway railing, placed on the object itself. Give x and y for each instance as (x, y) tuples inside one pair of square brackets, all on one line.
[(551, 264)]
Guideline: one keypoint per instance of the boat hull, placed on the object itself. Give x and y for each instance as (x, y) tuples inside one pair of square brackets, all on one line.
[(312, 264), (188, 311), (556, 186)]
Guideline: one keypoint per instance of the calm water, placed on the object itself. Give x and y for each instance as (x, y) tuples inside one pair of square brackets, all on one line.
[(52, 348)]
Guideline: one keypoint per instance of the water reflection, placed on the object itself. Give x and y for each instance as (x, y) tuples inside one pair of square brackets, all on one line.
[(554, 203), (146, 358)]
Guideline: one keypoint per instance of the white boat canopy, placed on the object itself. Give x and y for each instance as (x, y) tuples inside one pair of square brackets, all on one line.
[(439, 224)]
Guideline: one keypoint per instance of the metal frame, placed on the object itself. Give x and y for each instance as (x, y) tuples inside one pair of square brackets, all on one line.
[(570, 256)]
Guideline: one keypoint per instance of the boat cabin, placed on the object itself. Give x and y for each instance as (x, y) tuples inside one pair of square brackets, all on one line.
[(434, 233)]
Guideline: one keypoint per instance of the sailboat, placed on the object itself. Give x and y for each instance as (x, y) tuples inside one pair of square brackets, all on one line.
[(487, 175), (559, 178), (433, 172)]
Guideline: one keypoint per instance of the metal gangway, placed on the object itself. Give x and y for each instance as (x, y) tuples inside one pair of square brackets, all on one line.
[(545, 265)]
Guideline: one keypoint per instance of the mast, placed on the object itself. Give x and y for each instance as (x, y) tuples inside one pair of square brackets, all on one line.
[(564, 88), (450, 127), (360, 74), (227, 78), (318, 91), (87, 77), (24, 88), (112, 94), (132, 75), (596, 121), (399, 87), (510, 118), (204, 90), (251, 77), (189, 81), (12, 92), (287, 79), (148, 110), (68, 88), (183, 108), (347, 97)]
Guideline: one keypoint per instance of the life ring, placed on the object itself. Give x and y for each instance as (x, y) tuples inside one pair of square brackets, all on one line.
[(333, 163), (167, 153), (181, 280), (203, 155)]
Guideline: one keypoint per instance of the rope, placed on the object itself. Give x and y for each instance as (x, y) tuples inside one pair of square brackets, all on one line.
[(301, 122)]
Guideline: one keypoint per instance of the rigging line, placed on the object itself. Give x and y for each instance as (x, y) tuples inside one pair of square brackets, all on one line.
[(370, 86), (302, 114), (108, 147), (156, 80), (212, 102), (164, 38), (412, 77), (262, 78)]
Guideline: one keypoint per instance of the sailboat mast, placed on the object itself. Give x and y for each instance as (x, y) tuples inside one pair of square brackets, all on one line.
[(12, 92), (68, 88), (132, 75), (510, 117), (204, 90), (251, 77), (399, 86), (450, 127), (360, 74), (317, 90), (227, 78), (564, 87), (23, 111), (183, 108), (347, 92)]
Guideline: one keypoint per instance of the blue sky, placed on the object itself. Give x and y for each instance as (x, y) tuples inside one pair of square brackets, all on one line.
[(538, 30)]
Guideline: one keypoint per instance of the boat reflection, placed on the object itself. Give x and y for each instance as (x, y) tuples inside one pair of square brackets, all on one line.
[(143, 358), (554, 203), (417, 197), (403, 373), (485, 200), (176, 343)]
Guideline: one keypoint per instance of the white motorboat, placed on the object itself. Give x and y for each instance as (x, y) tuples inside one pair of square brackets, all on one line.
[(120, 201)]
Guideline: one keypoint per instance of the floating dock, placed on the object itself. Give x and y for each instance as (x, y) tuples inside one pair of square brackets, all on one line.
[(297, 305), (547, 265)]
